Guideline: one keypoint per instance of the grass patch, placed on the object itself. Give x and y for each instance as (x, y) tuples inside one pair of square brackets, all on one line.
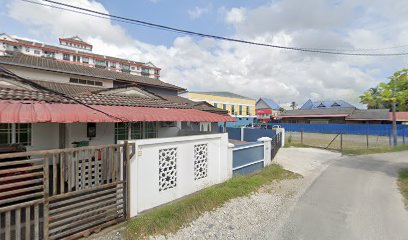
[(364, 151), (298, 145), (403, 183), (171, 217)]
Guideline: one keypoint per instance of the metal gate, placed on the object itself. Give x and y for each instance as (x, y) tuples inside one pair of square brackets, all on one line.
[(276, 144), (64, 193)]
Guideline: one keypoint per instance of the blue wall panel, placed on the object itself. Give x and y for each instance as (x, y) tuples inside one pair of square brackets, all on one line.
[(358, 129), (247, 155), (248, 169), (234, 133), (252, 134)]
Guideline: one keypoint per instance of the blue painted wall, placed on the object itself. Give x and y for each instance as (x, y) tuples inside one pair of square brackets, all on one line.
[(252, 134), (234, 133), (358, 129), (245, 156)]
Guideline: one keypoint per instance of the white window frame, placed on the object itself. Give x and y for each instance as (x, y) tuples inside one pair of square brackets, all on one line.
[(14, 131)]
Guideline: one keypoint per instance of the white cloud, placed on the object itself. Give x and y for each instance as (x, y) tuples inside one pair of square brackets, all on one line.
[(235, 15), (197, 12), (250, 70)]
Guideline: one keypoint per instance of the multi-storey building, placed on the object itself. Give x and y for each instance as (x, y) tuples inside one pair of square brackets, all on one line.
[(76, 51), (240, 107)]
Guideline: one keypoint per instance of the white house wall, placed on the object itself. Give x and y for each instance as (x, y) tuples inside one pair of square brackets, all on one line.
[(44, 136), (145, 167), (105, 134)]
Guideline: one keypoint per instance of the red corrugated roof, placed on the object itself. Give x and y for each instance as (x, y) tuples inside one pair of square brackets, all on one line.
[(401, 116), (36, 112)]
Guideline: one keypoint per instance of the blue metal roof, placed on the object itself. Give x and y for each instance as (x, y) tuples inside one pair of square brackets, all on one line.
[(272, 104), (326, 104)]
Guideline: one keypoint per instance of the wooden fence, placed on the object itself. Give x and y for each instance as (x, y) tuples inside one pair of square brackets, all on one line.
[(64, 193)]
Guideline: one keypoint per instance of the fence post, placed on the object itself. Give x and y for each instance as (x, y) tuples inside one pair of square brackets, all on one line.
[(242, 133), (46, 195), (367, 140), (341, 141), (230, 159), (403, 135), (126, 172), (267, 149), (301, 137)]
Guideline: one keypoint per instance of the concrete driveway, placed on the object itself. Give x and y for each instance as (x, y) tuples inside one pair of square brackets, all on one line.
[(355, 197)]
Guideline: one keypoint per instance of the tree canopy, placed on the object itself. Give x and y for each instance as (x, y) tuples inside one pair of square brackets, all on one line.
[(394, 91)]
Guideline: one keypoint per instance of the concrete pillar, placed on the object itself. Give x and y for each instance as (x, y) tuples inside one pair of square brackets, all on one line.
[(282, 131), (242, 133), (267, 149), (230, 159)]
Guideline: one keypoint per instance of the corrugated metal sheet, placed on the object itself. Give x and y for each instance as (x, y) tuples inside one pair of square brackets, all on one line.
[(36, 112)]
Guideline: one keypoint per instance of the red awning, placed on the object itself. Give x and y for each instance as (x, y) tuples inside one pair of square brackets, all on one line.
[(36, 112)]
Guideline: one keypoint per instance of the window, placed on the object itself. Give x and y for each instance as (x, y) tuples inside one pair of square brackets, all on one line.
[(5, 133), (240, 109), (23, 133), (76, 58), (145, 70), (85, 60), (224, 106), (74, 80), (15, 133), (97, 83), (38, 52), (113, 65), (81, 81), (136, 130), (215, 105), (232, 109), (150, 130), (132, 68), (100, 63), (27, 49), (247, 111), (66, 57), (156, 72)]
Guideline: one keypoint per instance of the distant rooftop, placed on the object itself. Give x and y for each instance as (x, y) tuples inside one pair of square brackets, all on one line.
[(224, 94), (271, 103), (326, 104)]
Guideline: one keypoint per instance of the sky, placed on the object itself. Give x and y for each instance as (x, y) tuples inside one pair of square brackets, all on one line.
[(201, 64)]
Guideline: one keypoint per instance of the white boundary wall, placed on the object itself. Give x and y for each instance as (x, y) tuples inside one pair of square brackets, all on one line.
[(144, 176)]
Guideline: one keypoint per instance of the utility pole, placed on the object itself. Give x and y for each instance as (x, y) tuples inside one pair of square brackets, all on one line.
[(394, 123)]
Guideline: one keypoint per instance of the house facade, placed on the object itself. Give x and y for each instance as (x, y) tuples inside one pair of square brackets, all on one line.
[(266, 110), (76, 51), (240, 107), (49, 104)]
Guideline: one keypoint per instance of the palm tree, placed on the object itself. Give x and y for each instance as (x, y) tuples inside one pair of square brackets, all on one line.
[(293, 105)]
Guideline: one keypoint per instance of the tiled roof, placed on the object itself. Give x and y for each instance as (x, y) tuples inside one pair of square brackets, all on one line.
[(49, 64), (224, 94), (369, 114), (86, 98), (323, 111), (326, 104), (68, 88), (272, 104)]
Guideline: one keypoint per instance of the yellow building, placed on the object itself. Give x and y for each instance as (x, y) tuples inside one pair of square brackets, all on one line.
[(242, 108)]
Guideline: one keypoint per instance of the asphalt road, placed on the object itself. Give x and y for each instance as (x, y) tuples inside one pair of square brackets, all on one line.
[(354, 198)]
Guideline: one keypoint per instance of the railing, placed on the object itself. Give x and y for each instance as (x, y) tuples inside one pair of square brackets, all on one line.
[(62, 193)]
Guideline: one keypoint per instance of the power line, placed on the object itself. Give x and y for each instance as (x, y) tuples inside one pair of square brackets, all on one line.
[(90, 12)]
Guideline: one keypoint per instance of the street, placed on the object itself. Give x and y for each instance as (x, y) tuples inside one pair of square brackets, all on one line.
[(354, 198)]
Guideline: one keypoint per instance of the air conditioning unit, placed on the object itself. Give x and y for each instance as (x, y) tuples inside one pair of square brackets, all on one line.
[(168, 124)]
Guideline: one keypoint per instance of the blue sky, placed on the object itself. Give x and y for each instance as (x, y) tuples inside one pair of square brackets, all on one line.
[(203, 64)]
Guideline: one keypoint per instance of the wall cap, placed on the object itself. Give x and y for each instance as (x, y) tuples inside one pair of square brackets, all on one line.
[(264, 139)]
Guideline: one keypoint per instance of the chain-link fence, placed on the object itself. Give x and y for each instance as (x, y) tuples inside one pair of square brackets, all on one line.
[(339, 141)]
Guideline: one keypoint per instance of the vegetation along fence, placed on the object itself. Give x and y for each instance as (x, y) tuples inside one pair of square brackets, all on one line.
[(64, 193)]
